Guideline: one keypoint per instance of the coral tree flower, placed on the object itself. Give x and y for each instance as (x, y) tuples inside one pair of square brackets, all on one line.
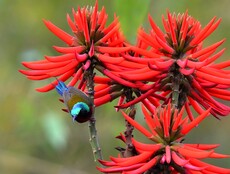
[(180, 66), (92, 43), (167, 153)]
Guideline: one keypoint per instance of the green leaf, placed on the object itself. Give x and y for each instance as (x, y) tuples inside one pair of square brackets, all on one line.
[(131, 15)]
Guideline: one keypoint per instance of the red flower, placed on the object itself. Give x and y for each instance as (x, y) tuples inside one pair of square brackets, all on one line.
[(91, 44), (180, 67), (168, 154)]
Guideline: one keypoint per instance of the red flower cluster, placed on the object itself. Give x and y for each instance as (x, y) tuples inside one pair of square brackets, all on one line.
[(168, 154), (180, 67), (91, 44), (176, 65)]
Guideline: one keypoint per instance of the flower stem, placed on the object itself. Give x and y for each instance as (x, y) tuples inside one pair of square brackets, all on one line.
[(175, 90), (93, 139), (130, 150)]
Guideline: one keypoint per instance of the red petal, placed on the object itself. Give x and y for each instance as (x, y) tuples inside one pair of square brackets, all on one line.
[(193, 153), (120, 102), (187, 71), (102, 80), (77, 76), (173, 34), (182, 63), (210, 30), (168, 154), (39, 77), (44, 66), (115, 78), (204, 146), (166, 121), (149, 105), (110, 50), (59, 33), (107, 163), (59, 71), (102, 100), (214, 72), (164, 64), (156, 29), (196, 40), (146, 147), (86, 65), (212, 78), (129, 161), (102, 92), (137, 125), (34, 72), (214, 57), (94, 16), (218, 155), (60, 58), (210, 168), (149, 119), (81, 57), (145, 76), (136, 100), (221, 96), (102, 19), (178, 159), (189, 112), (119, 169), (222, 65), (177, 118), (109, 59), (66, 50), (51, 86), (71, 23), (139, 59), (207, 49), (113, 31), (86, 25), (196, 65), (195, 122), (111, 26), (133, 66), (192, 167), (144, 52), (148, 39), (165, 46), (144, 167)]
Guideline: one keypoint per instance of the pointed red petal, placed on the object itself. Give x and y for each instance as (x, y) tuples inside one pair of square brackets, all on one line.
[(195, 122), (59, 33), (137, 125)]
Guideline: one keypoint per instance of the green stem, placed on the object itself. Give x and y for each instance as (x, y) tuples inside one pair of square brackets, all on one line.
[(93, 139), (175, 90)]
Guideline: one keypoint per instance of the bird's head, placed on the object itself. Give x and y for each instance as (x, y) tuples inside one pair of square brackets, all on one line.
[(78, 108)]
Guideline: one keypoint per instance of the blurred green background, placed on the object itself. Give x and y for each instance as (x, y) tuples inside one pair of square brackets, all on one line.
[(36, 137)]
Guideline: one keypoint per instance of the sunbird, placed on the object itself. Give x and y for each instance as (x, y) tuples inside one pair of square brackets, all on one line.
[(77, 102)]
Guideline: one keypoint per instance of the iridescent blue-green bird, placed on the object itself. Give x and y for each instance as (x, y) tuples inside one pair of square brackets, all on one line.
[(78, 103)]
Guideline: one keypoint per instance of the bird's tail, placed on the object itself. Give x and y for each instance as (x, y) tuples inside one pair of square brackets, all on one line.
[(60, 87)]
